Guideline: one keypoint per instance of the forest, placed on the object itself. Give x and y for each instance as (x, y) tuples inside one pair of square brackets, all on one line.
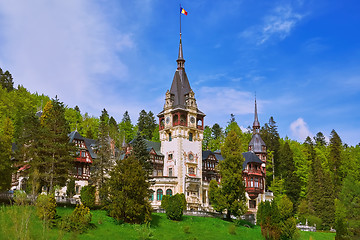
[(320, 177)]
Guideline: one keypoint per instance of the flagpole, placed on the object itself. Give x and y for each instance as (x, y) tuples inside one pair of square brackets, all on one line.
[(180, 20)]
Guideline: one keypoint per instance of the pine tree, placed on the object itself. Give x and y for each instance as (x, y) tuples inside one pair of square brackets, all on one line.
[(320, 139), (6, 80), (216, 131), (6, 135), (103, 162), (335, 159), (321, 193), (127, 130), (140, 152), (231, 187), (146, 124), (29, 152), (271, 138), (129, 192), (291, 180), (57, 154)]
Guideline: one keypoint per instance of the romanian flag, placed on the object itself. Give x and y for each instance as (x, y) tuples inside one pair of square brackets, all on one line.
[(183, 11)]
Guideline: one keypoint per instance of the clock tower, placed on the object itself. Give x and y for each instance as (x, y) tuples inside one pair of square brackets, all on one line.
[(181, 126)]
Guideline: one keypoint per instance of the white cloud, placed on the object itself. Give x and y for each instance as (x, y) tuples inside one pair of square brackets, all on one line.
[(300, 130), (277, 25), (65, 48)]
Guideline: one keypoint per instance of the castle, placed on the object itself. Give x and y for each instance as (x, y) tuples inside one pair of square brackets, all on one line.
[(180, 165)]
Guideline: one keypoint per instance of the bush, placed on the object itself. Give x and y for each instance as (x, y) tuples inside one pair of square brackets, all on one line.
[(46, 207), (87, 196), (20, 197), (174, 206), (78, 221)]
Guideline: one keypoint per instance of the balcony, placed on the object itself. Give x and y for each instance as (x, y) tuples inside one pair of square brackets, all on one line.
[(253, 191)]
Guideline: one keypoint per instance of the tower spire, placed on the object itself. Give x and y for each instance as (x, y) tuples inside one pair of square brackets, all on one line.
[(180, 61), (256, 125)]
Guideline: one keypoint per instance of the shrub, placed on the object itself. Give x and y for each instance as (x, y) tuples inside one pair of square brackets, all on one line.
[(174, 206), (87, 196), (46, 207), (20, 197), (78, 221)]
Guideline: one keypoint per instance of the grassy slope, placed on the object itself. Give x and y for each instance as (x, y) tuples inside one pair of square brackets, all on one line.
[(105, 228)]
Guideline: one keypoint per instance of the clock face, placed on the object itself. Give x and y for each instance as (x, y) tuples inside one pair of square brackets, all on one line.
[(191, 157), (192, 119), (167, 120)]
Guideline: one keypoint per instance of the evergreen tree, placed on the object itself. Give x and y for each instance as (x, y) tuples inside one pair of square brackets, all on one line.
[(114, 131), (320, 139), (206, 138), (6, 80), (140, 152), (216, 131), (335, 159), (146, 124), (30, 149), (127, 130), (321, 193), (103, 162), (291, 180), (89, 126), (270, 135), (56, 154), (232, 187), (6, 135), (129, 192)]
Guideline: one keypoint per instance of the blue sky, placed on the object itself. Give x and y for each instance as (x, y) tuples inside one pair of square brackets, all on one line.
[(302, 58)]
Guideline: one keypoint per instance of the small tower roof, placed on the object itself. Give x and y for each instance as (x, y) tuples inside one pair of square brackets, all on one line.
[(256, 119)]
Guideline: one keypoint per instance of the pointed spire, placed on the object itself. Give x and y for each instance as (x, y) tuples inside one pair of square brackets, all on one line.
[(180, 61), (256, 125)]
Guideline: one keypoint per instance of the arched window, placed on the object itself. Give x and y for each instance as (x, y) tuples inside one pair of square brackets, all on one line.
[(190, 137), (170, 137), (169, 192), (151, 198), (159, 194), (191, 171)]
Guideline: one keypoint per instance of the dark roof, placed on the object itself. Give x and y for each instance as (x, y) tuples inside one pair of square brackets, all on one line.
[(256, 119), (75, 135), (91, 143), (154, 145), (257, 143), (249, 158), (180, 87), (205, 154)]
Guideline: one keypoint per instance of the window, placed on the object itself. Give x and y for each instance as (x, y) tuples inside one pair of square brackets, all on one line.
[(191, 171), (77, 189), (190, 137), (82, 154), (256, 183), (252, 204), (151, 198), (159, 194), (170, 137), (169, 192), (251, 182), (170, 174), (80, 171), (170, 156)]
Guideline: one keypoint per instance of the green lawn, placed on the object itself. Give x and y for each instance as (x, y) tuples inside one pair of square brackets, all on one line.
[(104, 227)]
